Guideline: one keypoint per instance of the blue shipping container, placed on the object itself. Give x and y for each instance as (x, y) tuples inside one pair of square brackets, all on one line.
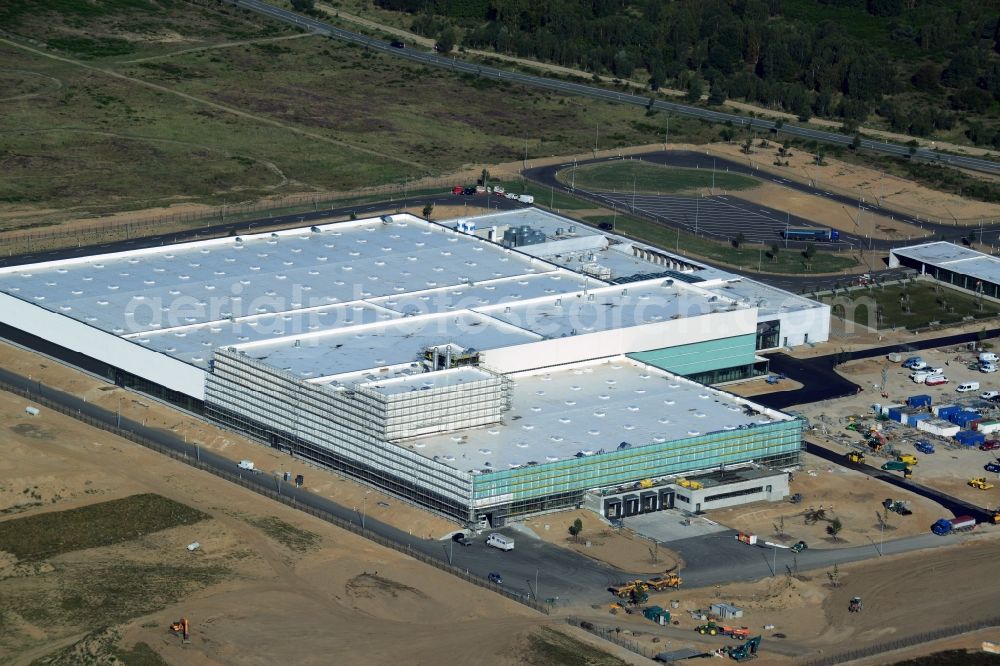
[(894, 413), (962, 419), (914, 418), (946, 412), (970, 438), (918, 401)]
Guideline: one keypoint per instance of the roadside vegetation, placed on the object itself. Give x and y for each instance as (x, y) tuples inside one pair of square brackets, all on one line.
[(913, 304), (291, 537), (49, 534)]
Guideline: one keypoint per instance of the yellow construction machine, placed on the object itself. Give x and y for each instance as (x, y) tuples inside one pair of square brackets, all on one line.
[(981, 483), (667, 580)]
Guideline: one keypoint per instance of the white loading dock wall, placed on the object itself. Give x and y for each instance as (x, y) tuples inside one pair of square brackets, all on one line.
[(772, 488)]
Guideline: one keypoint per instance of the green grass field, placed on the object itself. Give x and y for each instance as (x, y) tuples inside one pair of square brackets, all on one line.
[(49, 534), (187, 124), (748, 257), (912, 305), (649, 178)]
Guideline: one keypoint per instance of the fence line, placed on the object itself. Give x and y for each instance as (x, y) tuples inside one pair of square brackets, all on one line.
[(612, 636), (256, 487), (905, 642)]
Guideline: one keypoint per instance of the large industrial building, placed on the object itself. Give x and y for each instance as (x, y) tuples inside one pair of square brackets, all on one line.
[(961, 267), (471, 375)]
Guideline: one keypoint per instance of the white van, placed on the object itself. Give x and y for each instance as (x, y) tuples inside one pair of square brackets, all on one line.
[(987, 357), (965, 387), (987, 367), (500, 541), (919, 377)]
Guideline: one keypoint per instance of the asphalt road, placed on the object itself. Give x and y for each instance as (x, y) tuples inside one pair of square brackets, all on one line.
[(820, 380), (441, 61)]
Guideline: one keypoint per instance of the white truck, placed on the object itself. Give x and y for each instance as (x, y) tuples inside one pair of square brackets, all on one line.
[(247, 465), (526, 198), (500, 541)]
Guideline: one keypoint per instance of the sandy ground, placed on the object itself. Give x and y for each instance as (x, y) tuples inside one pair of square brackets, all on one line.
[(143, 409), (903, 595), (347, 600), (950, 468), (623, 549), (972, 642), (871, 185), (853, 497)]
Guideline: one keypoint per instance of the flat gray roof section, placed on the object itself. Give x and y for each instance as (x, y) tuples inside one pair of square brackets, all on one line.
[(589, 407), (768, 300), (612, 307), (205, 281), (955, 258), (396, 342), (427, 380)]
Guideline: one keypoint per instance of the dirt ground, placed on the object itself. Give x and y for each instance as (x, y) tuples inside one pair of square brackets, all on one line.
[(951, 466), (813, 616), (620, 548), (871, 185), (853, 497), (143, 409), (345, 600), (761, 387)]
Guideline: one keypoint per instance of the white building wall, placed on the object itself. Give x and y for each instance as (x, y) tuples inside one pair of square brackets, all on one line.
[(600, 344), (804, 326), (107, 347)]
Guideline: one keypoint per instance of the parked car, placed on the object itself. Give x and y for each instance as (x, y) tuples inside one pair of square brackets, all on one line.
[(987, 367), (908, 363), (967, 387), (919, 377), (934, 371), (936, 380), (469, 191), (605, 226), (990, 445), (924, 447), (460, 538), (992, 467), (917, 365), (989, 395), (495, 578), (457, 189)]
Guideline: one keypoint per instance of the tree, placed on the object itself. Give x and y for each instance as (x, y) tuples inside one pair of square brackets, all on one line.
[(716, 94), (428, 210), (834, 576), (694, 89), (304, 6), (446, 40), (810, 251), (484, 178), (775, 248), (856, 142), (834, 528), (575, 529), (739, 240)]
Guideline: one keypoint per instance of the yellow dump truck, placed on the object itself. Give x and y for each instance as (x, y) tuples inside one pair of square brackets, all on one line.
[(669, 580)]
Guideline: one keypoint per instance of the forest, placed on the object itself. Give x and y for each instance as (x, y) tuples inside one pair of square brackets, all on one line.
[(921, 66)]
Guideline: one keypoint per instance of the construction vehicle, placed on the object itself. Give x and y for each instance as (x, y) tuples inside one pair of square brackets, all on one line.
[(799, 547), (907, 473), (907, 458), (796, 498), (957, 524), (981, 483), (663, 582), (691, 485), (744, 652), (856, 457), (897, 506), (645, 484), (895, 466), (995, 518), (181, 628), (924, 447), (624, 591), (713, 629), (855, 605)]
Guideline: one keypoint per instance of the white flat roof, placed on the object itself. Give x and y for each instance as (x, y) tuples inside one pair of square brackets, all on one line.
[(956, 258), (588, 408), (428, 380), (769, 300), (402, 341)]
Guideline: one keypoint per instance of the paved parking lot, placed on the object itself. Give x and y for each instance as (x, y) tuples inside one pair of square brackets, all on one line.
[(721, 216), (672, 525)]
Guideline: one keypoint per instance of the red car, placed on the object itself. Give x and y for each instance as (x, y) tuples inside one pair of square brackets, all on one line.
[(457, 189), (990, 445)]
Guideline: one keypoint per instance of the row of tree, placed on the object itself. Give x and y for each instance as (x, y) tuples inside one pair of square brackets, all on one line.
[(752, 49)]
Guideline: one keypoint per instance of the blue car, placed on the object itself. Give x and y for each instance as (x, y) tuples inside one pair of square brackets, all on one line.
[(924, 447), (495, 578), (992, 467)]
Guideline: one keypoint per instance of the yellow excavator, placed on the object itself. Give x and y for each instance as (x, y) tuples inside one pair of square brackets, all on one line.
[(981, 483)]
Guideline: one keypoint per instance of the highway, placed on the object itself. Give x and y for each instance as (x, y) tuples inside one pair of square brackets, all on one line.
[(456, 65)]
